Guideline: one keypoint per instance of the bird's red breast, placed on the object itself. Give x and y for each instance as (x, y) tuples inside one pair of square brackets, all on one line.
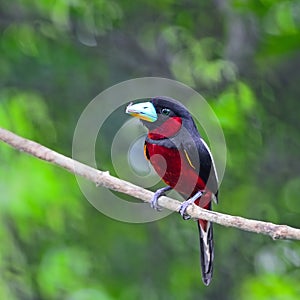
[(167, 129), (176, 171)]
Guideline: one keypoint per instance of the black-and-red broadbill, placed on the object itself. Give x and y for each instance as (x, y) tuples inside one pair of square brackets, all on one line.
[(183, 160)]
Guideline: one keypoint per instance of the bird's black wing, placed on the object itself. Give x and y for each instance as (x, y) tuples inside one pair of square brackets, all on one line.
[(199, 157)]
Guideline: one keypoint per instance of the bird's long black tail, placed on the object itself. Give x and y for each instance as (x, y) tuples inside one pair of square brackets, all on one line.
[(206, 250)]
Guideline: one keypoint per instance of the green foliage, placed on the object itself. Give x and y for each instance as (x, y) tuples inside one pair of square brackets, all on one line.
[(270, 286), (242, 56)]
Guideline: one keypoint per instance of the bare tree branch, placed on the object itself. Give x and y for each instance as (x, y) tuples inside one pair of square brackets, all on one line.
[(116, 184)]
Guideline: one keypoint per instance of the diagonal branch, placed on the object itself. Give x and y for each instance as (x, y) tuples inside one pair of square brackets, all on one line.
[(104, 179)]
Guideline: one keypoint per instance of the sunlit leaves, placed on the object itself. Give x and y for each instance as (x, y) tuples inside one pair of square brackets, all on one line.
[(284, 16), (234, 105), (197, 62), (31, 189), (24, 112), (62, 270), (270, 287), (95, 17), (280, 24)]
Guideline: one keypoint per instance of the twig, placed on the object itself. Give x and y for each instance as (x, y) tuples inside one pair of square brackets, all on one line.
[(104, 179)]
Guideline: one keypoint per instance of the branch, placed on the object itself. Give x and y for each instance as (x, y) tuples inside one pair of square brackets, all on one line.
[(104, 179)]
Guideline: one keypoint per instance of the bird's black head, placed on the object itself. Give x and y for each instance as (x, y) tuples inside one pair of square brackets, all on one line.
[(158, 110)]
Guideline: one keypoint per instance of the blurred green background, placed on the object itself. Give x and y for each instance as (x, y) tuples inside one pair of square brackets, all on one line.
[(57, 55)]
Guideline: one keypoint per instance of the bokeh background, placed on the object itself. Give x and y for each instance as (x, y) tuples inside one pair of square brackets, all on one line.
[(57, 55)]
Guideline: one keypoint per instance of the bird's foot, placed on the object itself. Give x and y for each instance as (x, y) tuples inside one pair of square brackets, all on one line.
[(157, 194), (183, 207)]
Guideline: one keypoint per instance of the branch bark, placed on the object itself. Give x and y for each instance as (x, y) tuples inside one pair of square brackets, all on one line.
[(104, 179)]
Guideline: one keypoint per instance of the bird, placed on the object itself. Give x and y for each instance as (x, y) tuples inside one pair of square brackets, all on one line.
[(183, 161)]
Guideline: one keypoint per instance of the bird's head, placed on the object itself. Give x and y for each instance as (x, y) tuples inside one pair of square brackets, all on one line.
[(161, 115)]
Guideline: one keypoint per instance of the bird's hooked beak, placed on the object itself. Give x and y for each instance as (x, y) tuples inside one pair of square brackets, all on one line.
[(144, 111)]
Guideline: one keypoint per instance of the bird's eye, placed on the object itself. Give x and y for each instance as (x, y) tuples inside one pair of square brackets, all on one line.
[(165, 111)]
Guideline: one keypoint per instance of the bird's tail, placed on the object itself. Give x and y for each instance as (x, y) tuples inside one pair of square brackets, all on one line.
[(206, 249)]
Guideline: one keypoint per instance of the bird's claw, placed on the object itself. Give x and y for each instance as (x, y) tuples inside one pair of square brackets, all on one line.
[(154, 203), (157, 194), (182, 210), (184, 205)]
